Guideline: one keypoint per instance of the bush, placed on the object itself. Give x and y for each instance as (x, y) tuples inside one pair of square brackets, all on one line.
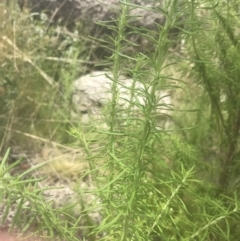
[(174, 183)]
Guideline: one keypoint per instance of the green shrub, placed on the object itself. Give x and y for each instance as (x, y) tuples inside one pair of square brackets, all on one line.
[(174, 183)]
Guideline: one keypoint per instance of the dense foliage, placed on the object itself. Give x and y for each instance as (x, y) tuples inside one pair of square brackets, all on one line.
[(178, 181)]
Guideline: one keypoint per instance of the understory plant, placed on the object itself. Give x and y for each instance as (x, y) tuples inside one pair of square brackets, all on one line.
[(154, 187), (38, 65), (25, 211), (217, 71)]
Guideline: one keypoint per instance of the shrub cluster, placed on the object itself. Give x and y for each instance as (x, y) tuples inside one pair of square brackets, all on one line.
[(151, 182)]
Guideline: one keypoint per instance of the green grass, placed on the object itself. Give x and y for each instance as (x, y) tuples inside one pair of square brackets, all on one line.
[(150, 183)]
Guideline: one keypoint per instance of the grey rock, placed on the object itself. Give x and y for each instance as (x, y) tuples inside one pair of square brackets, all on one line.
[(144, 14), (92, 93), (92, 11)]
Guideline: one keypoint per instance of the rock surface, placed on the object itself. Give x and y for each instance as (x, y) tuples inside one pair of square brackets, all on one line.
[(144, 14), (92, 94), (16, 236), (92, 11)]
